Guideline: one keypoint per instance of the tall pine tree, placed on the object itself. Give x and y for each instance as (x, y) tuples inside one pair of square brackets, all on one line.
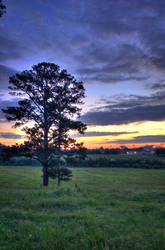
[(50, 99)]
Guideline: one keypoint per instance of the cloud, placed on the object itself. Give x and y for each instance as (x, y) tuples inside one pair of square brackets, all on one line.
[(5, 73), (132, 101), (112, 65), (131, 39), (141, 139), (127, 109), (117, 117), (10, 48), (157, 86), (102, 41), (10, 136), (99, 77), (94, 133)]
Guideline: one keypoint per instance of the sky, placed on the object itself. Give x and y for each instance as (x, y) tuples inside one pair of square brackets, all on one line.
[(116, 47)]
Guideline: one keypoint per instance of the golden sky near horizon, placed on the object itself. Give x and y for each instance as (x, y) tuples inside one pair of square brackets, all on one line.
[(134, 129)]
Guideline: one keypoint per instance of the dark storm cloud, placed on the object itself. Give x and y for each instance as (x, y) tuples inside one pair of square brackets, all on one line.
[(115, 40), (147, 113), (127, 109), (137, 30), (5, 73), (101, 41), (141, 139), (94, 133), (10, 136)]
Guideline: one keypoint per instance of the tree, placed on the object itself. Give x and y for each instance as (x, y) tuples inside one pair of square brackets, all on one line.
[(2, 8), (50, 100)]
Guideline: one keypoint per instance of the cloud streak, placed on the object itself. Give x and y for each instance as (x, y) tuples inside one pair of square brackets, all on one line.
[(127, 109), (7, 135), (94, 133), (141, 139)]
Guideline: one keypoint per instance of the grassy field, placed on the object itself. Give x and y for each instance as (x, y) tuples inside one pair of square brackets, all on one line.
[(110, 209)]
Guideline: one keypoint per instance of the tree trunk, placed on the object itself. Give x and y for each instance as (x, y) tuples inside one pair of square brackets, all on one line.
[(45, 176), (59, 156), (59, 181), (45, 166)]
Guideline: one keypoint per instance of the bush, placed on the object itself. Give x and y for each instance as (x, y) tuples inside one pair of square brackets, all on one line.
[(57, 168), (63, 173)]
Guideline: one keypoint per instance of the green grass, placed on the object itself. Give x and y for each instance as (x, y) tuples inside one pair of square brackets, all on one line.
[(110, 209)]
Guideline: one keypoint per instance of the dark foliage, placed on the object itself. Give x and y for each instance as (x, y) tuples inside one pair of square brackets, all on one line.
[(112, 151), (160, 151), (143, 162), (2, 8), (63, 173)]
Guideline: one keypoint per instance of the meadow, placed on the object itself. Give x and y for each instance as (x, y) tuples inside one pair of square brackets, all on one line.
[(101, 208)]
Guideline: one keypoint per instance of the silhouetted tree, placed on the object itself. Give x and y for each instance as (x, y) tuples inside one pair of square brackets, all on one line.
[(2, 8), (50, 101)]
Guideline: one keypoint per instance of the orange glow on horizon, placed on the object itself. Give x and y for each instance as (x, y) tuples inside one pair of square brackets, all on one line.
[(110, 146), (129, 132), (93, 145)]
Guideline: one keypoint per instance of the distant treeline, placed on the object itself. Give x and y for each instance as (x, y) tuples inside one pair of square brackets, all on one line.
[(112, 151), (119, 161), (96, 161), (115, 151), (95, 158)]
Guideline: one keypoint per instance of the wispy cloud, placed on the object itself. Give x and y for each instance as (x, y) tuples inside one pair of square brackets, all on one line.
[(10, 135), (94, 133), (141, 139)]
